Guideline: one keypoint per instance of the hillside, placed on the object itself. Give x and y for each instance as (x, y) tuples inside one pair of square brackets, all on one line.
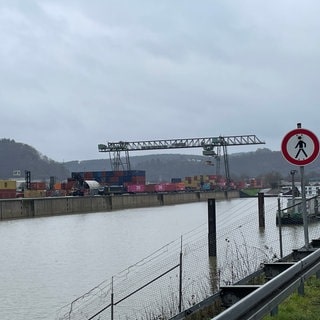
[(163, 167), (20, 157), (158, 167)]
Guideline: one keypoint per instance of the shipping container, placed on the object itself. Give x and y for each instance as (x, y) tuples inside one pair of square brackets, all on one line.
[(70, 184), (8, 184), (111, 176), (136, 188), (150, 187), (88, 175), (165, 187), (180, 186), (138, 180), (8, 193), (34, 193), (37, 185), (57, 186), (206, 186), (118, 173)]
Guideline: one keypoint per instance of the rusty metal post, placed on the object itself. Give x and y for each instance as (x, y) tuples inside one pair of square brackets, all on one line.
[(212, 228)]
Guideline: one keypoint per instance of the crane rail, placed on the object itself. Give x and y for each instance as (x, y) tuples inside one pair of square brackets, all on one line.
[(205, 143)]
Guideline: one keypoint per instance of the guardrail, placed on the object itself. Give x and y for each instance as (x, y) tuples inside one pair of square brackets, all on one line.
[(245, 301), (267, 297)]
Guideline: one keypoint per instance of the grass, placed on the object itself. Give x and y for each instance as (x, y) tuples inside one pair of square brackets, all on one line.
[(297, 307)]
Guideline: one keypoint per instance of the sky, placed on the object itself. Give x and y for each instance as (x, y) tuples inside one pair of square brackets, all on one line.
[(77, 73)]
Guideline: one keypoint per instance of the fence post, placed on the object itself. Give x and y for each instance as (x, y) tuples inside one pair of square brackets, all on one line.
[(212, 227), (112, 302), (180, 279), (212, 243), (301, 289), (280, 228), (261, 210), (274, 311)]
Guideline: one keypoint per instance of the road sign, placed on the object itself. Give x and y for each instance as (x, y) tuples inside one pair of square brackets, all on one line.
[(300, 146)]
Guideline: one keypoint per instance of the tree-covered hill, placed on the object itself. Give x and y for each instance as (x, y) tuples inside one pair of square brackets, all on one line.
[(16, 157), (163, 167), (159, 167)]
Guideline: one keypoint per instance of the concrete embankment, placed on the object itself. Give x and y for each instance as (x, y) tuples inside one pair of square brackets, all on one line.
[(39, 207)]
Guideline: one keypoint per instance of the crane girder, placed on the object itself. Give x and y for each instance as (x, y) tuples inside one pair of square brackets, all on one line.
[(206, 143), (211, 147)]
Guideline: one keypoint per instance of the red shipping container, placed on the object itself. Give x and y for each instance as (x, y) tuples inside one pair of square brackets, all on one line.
[(38, 185), (88, 175), (180, 186), (159, 187), (136, 188), (7, 193), (165, 187), (63, 186), (150, 187), (70, 184), (113, 180), (118, 173), (138, 180)]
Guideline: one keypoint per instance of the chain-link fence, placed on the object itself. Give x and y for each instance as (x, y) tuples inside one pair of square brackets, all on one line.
[(181, 274)]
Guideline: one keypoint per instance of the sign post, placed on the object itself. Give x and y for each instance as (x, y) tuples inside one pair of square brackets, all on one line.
[(300, 147)]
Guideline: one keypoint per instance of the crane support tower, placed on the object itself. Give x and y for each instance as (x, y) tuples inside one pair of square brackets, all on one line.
[(211, 147)]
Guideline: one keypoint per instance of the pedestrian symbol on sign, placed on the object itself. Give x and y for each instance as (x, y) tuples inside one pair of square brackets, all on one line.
[(301, 145)]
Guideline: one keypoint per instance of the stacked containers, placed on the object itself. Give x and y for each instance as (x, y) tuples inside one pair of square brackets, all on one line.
[(205, 182), (180, 186), (69, 185), (34, 193), (114, 177), (156, 187), (38, 186), (8, 189), (192, 183)]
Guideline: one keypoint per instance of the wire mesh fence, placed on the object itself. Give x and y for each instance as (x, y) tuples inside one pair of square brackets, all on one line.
[(181, 273)]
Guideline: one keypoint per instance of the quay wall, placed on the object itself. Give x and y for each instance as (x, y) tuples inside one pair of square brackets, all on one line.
[(41, 207)]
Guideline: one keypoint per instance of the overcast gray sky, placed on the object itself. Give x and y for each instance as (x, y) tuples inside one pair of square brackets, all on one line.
[(77, 73)]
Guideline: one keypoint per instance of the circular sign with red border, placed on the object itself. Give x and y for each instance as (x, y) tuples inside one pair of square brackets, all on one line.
[(300, 146)]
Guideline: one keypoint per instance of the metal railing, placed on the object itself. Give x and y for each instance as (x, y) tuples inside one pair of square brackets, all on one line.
[(266, 298)]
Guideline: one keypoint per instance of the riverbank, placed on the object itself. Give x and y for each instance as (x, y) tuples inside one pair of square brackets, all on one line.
[(39, 207)]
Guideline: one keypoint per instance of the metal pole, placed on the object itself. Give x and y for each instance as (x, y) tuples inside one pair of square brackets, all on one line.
[(304, 208), (212, 232), (180, 280), (292, 172), (112, 299), (262, 223), (280, 228)]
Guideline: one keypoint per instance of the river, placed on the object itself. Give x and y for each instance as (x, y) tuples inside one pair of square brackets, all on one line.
[(48, 262)]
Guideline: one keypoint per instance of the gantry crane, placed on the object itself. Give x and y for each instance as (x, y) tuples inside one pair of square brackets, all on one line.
[(211, 147)]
